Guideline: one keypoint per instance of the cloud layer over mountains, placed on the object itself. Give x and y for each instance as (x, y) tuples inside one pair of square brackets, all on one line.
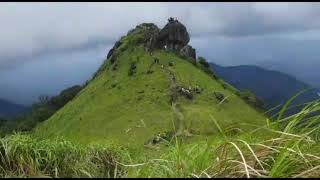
[(40, 40)]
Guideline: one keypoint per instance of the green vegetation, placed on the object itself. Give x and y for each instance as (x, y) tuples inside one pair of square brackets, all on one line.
[(133, 109), (290, 149), (155, 114), (23, 156), (40, 111), (205, 66), (203, 62), (132, 69), (251, 99)]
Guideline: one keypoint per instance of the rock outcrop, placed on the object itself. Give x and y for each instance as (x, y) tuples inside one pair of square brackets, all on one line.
[(174, 36), (116, 45), (219, 96), (188, 51), (148, 28), (150, 32)]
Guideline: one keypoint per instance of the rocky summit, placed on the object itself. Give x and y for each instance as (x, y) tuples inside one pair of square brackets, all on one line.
[(173, 37)]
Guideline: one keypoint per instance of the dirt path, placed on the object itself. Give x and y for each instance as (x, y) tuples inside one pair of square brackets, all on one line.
[(178, 116)]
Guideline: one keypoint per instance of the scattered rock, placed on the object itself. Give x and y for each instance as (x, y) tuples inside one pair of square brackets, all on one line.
[(150, 71), (115, 66), (186, 92), (219, 96), (224, 86), (132, 69), (165, 136), (114, 56), (197, 90), (156, 60), (113, 85), (171, 64), (188, 51)]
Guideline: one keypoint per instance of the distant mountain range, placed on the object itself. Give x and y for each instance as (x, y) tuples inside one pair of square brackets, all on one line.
[(305, 72), (272, 87), (10, 110)]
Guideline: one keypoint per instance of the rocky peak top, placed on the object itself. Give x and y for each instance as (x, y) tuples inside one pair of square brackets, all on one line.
[(173, 36)]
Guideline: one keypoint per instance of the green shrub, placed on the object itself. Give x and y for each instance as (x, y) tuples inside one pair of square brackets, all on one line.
[(41, 110), (251, 99), (203, 62), (132, 69)]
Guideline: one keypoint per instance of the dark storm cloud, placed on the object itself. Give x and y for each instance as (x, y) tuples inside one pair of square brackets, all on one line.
[(30, 28), (49, 74), (40, 39)]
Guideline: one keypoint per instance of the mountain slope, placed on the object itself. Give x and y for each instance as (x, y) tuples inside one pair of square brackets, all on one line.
[(10, 110), (273, 87), (132, 98)]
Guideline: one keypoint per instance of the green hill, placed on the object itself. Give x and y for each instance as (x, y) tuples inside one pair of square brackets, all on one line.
[(151, 89), (137, 94)]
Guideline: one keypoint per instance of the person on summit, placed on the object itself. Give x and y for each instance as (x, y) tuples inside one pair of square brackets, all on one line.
[(171, 20)]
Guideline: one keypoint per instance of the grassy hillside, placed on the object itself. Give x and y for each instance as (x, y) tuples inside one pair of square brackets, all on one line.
[(130, 101), (291, 149)]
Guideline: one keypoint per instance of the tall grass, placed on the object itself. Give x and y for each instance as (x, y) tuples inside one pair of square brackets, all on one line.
[(24, 156), (288, 147)]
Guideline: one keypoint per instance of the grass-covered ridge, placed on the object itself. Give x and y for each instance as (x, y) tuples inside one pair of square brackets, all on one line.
[(130, 100), (290, 149)]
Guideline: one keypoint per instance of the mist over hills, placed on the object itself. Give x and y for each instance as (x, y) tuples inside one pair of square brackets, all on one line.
[(304, 72), (10, 110)]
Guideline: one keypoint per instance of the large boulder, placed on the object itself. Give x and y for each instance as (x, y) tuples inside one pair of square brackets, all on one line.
[(219, 96), (188, 51), (174, 36), (150, 33), (144, 28)]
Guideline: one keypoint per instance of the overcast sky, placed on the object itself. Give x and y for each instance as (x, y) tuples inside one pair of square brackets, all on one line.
[(46, 47)]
